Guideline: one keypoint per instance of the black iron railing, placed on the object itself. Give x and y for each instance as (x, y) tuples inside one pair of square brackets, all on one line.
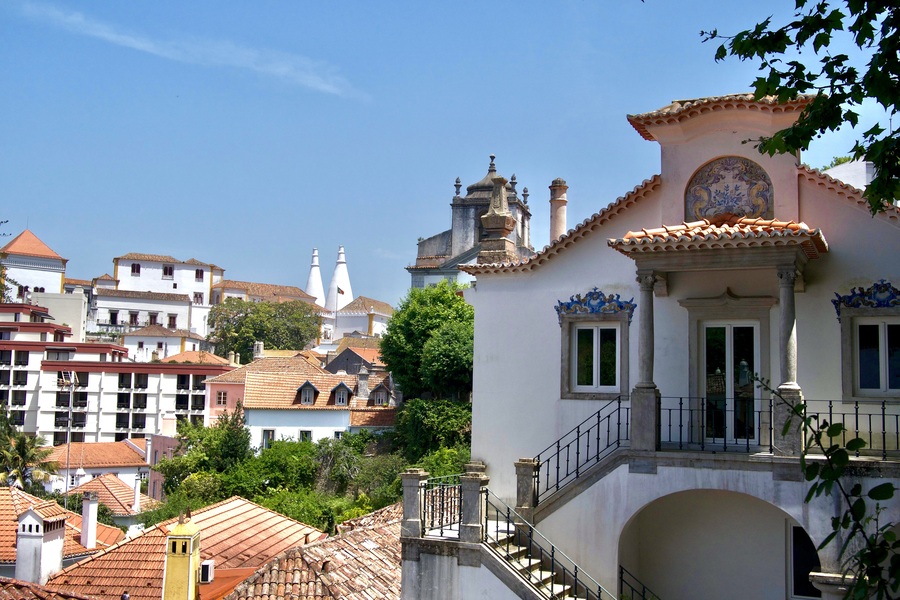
[(588, 443), (631, 588), (543, 565), (716, 423), (880, 430), (441, 505)]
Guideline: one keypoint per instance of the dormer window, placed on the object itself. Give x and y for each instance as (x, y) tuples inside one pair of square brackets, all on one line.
[(307, 395), (380, 397), (340, 396)]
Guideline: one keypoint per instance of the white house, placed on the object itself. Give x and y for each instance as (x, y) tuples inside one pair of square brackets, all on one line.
[(652, 458), (32, 265), (155, 342)]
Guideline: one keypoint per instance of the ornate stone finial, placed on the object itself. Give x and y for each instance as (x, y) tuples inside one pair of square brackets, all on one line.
[(491, 167), (512, 183), (457, 185), (525, 195)]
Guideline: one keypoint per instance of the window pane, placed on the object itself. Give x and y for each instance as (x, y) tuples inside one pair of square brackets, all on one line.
[(869, 361), (584, 357), (608, 357), (893, 356)]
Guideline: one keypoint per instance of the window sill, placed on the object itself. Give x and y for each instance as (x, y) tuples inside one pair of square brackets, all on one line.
[(593, 396)]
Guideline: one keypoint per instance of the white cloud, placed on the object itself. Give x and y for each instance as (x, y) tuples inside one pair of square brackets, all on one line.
[(290, 68)]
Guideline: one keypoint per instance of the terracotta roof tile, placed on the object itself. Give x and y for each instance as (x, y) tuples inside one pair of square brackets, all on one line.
[(196, 357), (98, 455), (14, 501), (723, 231), (160, 331), (235, 533), (280, 390), (13, 589), (679, 110), (361, 304), (73, 281), (111, 293), (850, 194), (269, 365), (162, 258), (384, 416), (363, 563), (265, 290), (357, 342), (115, 494), (28, 244)]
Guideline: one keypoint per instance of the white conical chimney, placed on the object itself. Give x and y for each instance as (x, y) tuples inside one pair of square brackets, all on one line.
[(314, 283), (339, 292)]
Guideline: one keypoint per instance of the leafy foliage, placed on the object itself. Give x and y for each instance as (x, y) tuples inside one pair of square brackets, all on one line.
[(236, 324), (447, 359), (104, 514), (425, 426), (24, 460), (870, 549), (837, 83), (418, 318), (445, 461)]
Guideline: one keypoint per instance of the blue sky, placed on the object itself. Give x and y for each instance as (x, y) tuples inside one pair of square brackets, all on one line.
[(245, 134)]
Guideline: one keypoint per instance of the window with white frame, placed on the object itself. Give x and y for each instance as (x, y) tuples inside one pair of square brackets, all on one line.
[(307, 395), (876, 356), (380, 398), (168, 271), (594, 356), (870, 342), (135, 269), (305, 435), (268, 436), (221, 398), (340, 397)]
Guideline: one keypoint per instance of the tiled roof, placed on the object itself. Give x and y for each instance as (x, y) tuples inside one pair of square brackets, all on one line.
[(279, 390), (13, 589), (105, 277), (680, 110), (723, 231), (373, 416), (268, 365), (14, 501), (583, 229), (115, 495), (142, 295), (197, 263), (162, 258), (196, 357), (98, 455), (357, 342), (160, 331), (73, 281), (264, 290), (850, 194), (235, 533), (28, 244), (362, 564), (370, 355), (361, 304)]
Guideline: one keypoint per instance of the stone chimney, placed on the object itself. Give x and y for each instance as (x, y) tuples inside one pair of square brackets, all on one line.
[(231, 357), (40, 537), (89, 506), (371, 316), (498, 223), (558, 202), (237, 358), (136, 506), (362, 385), (258, 349)]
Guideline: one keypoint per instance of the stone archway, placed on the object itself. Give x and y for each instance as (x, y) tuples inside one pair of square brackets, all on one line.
[(714, 544)]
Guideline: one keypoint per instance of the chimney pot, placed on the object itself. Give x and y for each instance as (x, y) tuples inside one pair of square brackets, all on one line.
[(558, 202)]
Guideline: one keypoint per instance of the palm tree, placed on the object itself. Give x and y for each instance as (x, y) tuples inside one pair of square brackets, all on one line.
[(24, 460)]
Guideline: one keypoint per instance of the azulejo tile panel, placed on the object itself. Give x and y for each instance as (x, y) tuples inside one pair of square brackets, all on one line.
[(729, 185)]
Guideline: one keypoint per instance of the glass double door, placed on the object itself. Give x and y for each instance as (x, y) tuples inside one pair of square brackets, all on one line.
[(729, 358)]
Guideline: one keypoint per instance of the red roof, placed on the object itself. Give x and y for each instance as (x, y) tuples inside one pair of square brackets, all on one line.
[(13, 589), (28, 244), (115, 494), (235, 533), (98, 455)]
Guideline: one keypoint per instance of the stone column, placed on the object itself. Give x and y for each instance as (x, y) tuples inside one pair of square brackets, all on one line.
[(790, 444), (525, 492), (471, 529), (412, 502), (645, 396), (788, 337)]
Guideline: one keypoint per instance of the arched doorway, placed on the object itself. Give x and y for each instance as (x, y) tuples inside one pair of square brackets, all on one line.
[(718, 544)]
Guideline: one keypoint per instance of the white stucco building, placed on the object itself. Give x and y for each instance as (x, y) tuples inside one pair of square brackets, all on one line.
[(651, 457)]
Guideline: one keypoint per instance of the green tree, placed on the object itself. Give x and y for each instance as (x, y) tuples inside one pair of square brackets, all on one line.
[(420, 315), (236, 324), (25, 460), (425, 426), (837, 160), (837, 82), (447, 359), (214, 449)]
